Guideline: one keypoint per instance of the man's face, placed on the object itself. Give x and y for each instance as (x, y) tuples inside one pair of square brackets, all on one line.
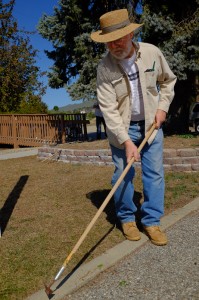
[(122, 48)]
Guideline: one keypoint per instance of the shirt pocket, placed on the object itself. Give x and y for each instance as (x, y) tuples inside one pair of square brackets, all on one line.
[(120, 87), (151, 79)]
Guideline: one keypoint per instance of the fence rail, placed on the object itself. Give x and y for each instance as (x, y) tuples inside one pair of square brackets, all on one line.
[(35, 130)]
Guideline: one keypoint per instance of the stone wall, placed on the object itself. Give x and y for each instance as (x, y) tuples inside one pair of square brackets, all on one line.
[(174, 160)]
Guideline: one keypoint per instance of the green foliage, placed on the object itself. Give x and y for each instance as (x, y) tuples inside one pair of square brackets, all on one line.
[(187, 136), (75, 56), (33, 105), (123, 283), (173, 27), (55, 108), (90, 115), (19, 76)]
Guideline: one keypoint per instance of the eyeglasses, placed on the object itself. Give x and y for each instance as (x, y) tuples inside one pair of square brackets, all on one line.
[(119, 41)]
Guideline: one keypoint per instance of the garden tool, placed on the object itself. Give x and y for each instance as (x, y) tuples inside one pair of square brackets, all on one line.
[(48, 289)]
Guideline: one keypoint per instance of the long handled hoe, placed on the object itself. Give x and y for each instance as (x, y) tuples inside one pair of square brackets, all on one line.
[(88, 228)]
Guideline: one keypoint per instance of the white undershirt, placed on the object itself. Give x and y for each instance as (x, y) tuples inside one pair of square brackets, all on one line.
[(132, 71)]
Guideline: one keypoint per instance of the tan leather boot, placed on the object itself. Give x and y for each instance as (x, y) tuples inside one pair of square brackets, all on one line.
[(131, 231), (156, 236)]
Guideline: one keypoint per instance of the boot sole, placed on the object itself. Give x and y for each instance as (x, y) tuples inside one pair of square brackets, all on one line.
[(132, 239), (158, 244)]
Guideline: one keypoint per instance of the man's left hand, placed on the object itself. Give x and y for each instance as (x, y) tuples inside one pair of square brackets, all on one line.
[(160, 118)]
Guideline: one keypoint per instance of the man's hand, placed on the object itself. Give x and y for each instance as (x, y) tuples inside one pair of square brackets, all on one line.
[(131, 151), (160, 118)]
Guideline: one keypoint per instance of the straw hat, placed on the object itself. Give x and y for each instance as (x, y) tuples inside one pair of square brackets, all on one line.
[(114, 25)]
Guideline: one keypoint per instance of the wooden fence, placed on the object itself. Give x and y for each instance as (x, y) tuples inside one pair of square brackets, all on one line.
[(38, 129)]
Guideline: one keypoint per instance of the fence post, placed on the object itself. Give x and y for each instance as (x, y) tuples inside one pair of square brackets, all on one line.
[(14, 131), (62, 129), (85, 127)]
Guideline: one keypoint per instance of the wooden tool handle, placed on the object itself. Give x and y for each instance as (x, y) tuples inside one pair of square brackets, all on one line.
[(109, 196)]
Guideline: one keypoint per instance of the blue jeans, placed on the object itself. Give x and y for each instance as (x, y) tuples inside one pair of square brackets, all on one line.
[(152, 178)]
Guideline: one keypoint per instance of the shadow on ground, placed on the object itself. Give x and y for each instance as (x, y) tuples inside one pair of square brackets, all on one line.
[(83, 259), (97, 198), (9, 205)]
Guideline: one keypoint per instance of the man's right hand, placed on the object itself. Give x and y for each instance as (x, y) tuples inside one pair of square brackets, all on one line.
[(131, 151)]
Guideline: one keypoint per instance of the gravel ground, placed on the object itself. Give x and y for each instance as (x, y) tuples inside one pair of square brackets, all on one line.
[(153, 273)]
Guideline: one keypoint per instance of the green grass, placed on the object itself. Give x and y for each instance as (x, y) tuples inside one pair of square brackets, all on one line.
[(187, 136), (123, 283)]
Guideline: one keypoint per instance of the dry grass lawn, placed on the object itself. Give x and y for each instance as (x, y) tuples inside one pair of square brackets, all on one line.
[(45, 208), (170, 142)]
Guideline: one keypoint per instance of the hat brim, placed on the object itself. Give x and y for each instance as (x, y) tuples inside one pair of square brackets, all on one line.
[(99, 37)]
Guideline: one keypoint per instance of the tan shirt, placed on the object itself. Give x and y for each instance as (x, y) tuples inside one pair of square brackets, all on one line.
[(114, 93)]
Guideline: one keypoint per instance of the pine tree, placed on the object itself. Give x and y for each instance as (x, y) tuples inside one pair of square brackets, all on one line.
[(75, 56), (20, 89), (170, 25), (173, 27)]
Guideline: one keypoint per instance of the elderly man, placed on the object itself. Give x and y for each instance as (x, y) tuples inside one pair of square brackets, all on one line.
[(135, 87)]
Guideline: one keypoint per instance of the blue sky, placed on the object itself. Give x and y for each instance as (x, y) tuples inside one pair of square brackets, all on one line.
[(28, 13)]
